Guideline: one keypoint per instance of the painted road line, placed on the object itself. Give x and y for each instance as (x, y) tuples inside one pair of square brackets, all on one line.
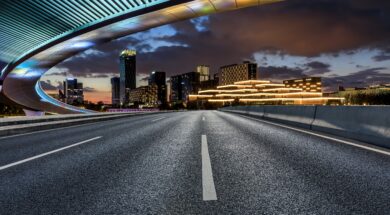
[(47, 153), (209, 193), (358, 145), (203, 118), (158, 119)]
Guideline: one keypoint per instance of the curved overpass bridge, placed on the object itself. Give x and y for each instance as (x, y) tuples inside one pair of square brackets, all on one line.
[(36, 35)]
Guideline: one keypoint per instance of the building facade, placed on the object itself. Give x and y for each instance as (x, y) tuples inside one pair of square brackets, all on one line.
[(158, 78), (237, 72), (308, 84), (261, 92), (73, 92), (176, 89), (145, 96), (115, 92), (183, 85), (127, 64), (204, 72)]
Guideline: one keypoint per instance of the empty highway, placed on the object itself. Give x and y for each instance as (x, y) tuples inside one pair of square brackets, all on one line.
[(200, 162)]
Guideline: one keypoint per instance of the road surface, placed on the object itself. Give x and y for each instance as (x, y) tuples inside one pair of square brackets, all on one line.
[(201, 162)]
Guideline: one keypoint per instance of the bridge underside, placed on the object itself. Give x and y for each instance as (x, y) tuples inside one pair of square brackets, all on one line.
[(26, 66)]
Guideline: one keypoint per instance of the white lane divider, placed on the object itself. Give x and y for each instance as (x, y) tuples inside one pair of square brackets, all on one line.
[(209, 193), (158, 119), (47, 153), (203, 118)]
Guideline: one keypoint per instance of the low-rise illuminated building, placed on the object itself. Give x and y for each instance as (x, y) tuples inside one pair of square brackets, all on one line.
[(372, 95), (309, 84), (261, 92), (146, 96)]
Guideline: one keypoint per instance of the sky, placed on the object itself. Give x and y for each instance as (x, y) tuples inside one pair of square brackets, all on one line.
[(347, 42)]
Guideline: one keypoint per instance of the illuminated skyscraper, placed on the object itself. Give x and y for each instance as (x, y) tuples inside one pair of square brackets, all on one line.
[(127, 74)]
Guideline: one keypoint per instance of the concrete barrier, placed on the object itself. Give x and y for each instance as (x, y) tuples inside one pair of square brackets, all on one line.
[(39, 126), (369, 124), (301, 116), (49, 118), (241, 109), (257, 111)]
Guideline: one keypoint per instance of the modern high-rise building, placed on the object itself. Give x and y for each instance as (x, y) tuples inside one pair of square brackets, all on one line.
[(204, 72), (190, 84), (127, 73), (159, 78), (237, 72), (115, 92), (176, 88), (73, 92), (184, 85), (309, 84)]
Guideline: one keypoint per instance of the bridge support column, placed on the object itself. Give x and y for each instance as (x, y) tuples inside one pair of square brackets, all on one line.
[(33, 113)]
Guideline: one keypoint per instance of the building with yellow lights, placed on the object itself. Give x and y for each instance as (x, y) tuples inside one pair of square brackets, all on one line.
[(261, 92), (145, 96), (310, 84)]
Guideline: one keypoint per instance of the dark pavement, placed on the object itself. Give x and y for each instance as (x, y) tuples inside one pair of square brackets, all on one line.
[(152, 164)]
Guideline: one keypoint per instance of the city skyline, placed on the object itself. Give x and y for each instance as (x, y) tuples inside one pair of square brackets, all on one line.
[(344, 42)]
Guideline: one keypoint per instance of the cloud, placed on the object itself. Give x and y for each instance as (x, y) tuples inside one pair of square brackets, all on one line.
[(93, 75), (383, 57), (89, 89), (313, 28), (48, 86), (57, 74), (317, 68), (280, 73), (200, 23), (362, 78)]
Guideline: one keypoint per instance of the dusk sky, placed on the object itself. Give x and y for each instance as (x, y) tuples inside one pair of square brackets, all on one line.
[(347, 42)]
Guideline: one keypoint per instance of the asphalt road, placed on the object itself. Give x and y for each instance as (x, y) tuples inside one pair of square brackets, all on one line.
[(203, 162)]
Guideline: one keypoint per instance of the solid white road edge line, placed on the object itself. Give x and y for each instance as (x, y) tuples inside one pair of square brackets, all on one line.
[(47, 153), (358, 145), (209, 193)]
